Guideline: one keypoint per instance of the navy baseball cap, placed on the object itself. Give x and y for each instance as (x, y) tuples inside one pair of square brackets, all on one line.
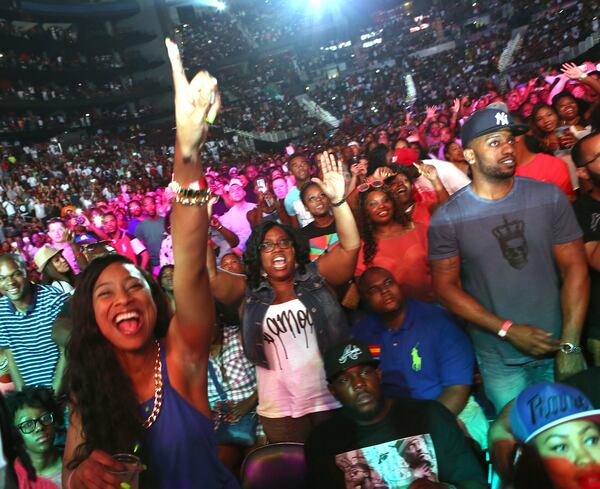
[(545, 405), (346, 355), (494, 117)]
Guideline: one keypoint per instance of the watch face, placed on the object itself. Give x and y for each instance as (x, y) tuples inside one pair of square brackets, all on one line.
[(569, 348)]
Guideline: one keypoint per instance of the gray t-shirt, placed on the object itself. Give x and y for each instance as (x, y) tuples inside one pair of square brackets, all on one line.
[(151, 232), (506, 257)]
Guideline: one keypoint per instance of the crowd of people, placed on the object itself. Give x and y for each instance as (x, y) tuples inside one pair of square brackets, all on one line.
[(401, 295)]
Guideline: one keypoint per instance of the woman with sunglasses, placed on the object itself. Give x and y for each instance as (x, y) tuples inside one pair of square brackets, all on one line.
[(291, 315), (392, 240), (36, 414)]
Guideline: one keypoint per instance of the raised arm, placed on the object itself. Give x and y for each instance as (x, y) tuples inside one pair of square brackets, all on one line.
[(573, 72), (337, 266), (191, 330), (228, 288), (431, 174)]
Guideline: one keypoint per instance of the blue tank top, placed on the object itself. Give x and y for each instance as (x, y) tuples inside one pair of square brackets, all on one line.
[(180, 447)]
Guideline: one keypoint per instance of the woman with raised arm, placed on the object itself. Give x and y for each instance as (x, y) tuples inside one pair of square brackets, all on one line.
[(291, 315), (137, 379)]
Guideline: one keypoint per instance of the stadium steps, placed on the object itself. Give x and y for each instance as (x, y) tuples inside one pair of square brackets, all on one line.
[(315, 110), (270, 137)]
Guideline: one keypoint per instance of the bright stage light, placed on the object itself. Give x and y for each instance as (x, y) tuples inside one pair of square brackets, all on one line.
[(220, 6)]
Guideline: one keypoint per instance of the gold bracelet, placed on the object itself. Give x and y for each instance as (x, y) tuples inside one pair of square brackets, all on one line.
[(200, 199)]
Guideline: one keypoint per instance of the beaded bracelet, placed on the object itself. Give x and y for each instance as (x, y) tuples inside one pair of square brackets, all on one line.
[(337, 204)]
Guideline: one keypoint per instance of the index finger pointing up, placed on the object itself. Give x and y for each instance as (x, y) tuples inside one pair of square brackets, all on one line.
[(179, 79)]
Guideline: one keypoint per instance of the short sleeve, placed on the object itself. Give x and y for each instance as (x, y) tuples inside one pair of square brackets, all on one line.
[(137, 246), (563, 179), (441, 236), (363, 330), (584, 217), (455, 353), (565, 227), (289, 204), (139, 232), (457, 462), (59, 299)]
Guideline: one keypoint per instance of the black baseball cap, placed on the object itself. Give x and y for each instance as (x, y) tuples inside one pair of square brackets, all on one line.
[(346, 355), (494, 117)]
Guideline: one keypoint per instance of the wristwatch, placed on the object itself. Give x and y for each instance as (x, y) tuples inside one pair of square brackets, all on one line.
[(569, 348)]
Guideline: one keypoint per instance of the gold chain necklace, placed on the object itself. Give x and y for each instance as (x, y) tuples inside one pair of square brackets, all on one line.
[(158, 391)]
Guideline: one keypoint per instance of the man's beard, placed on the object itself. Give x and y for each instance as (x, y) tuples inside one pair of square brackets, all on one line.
[(497, 173), (594, 177)]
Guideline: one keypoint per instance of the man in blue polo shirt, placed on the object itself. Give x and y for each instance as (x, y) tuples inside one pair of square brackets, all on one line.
[(423, 353), (27, 312)]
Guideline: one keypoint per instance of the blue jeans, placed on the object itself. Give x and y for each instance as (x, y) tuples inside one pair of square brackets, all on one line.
[(502, 383)]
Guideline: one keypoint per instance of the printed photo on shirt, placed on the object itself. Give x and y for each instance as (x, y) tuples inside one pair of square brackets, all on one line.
[(390, 465)]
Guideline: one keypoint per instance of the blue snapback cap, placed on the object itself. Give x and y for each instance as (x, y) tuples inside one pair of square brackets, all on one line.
[(545, 405), (494, 117)]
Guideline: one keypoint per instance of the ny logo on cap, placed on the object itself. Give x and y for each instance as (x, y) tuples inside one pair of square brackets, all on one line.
[(501, 118), (351, 351)]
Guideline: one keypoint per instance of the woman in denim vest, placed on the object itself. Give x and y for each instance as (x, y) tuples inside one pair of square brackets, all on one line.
[(291, 315)]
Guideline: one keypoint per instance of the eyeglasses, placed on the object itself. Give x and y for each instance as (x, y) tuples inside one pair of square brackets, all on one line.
[(363, 187), (269, 246), (28, 426), (592, 160)]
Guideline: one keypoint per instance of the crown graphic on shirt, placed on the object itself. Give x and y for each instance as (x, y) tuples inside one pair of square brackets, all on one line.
[(509, 230)]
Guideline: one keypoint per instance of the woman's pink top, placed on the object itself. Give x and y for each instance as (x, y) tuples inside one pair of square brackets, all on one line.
[(406, 257)]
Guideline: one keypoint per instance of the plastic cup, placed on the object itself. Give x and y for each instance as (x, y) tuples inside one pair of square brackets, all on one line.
[(131, 474)]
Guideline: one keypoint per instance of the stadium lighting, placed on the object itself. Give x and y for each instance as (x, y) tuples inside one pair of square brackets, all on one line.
[(220, 6)]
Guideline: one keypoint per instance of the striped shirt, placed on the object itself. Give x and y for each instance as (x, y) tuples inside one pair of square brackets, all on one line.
[(28, 334)]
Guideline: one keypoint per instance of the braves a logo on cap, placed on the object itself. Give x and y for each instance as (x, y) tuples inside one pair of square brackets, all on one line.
[(350, 352), (502, 118)]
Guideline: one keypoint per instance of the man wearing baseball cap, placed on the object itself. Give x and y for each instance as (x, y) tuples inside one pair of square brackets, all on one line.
[(404, 443), (235, 219), (506, 255)]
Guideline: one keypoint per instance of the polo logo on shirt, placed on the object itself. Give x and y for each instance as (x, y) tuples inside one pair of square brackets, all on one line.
[(350, 352), (416, 358), (502, 118)]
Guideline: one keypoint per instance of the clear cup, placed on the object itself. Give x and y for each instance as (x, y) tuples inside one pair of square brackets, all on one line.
[(133, 467)]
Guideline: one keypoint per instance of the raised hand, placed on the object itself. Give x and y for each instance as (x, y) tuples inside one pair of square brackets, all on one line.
[(455, 106), (428, 171), (196, 103), (572, 71), (383, 172), (430, 111), (333, 184)]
